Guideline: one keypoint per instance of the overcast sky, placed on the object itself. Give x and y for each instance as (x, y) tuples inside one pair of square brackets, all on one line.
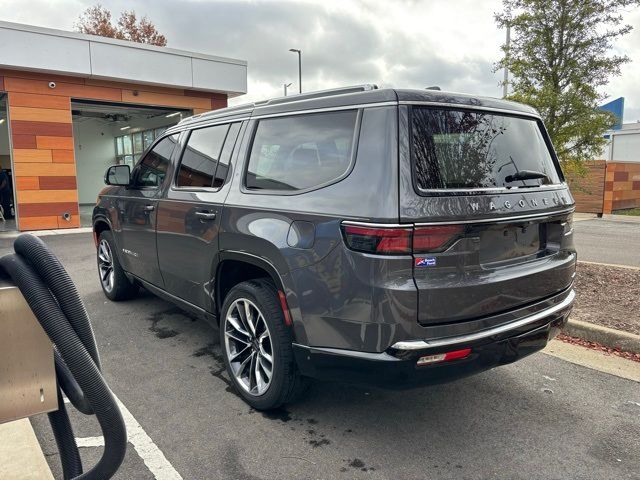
[(410, 43)]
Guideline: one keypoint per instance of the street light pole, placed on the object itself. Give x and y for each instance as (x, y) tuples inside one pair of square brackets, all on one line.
[(505, 82), (286, 85), (299, 52)]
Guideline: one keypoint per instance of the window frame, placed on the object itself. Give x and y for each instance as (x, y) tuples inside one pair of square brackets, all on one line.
[(174, 182), (145, 154), (254, 129), (443, 192)]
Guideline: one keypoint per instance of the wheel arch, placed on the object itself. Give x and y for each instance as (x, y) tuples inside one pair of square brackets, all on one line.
[(237, 267)]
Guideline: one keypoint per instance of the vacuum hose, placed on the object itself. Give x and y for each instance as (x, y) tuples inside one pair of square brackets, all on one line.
[(54, 300)]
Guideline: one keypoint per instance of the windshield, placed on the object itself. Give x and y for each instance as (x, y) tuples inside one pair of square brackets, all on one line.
[(474, 149)]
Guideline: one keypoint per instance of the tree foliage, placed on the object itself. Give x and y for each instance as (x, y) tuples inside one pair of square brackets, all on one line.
[(560, 58), (97, 20)]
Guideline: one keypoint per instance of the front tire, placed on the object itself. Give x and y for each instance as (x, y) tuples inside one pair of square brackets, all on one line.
[(256, 345), (114, 282)]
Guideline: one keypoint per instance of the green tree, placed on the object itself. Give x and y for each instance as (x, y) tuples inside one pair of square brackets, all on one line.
[(559, 60), (97, 20)]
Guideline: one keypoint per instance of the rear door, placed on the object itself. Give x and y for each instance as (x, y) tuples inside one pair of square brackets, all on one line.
[(137, 212), (189, 215), (490, 208)]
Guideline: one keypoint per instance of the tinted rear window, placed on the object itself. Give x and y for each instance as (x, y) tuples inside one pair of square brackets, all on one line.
[(301, 151), (456, 149)]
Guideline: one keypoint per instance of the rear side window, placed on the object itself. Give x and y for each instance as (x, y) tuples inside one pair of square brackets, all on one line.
[(461, 149), (301, 151), (200, 157)]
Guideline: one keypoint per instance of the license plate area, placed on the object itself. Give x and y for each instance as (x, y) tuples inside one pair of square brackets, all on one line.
[(501, 243)]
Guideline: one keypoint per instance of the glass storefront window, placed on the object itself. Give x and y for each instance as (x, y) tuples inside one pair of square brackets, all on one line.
[(128, 147)]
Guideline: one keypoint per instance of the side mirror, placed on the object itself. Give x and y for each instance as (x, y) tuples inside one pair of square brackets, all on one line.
[(119, 175)]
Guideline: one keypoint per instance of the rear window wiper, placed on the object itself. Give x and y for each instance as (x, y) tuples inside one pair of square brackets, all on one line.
[(526, 175)]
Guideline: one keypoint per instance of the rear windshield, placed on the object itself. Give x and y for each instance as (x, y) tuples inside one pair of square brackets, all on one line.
[(458, 149)]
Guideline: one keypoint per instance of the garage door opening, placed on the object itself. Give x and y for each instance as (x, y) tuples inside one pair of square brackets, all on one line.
[(108, 134), (7, 201)]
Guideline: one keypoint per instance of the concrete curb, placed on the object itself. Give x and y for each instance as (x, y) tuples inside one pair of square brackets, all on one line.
[(45, 233), (608, 337)]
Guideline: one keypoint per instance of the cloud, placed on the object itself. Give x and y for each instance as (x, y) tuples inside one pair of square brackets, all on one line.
[(402, 43)]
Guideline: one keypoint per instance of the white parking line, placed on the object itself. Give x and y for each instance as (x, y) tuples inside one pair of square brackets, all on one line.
[(148, 451)]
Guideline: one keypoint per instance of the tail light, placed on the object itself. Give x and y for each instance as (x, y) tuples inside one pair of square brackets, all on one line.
[(398, 240)]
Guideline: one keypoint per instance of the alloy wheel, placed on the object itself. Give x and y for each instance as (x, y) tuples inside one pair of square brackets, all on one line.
[(248, 346), (105, 265)]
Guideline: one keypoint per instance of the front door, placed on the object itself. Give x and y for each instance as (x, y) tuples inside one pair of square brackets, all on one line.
[(189, 215), (137, 212)]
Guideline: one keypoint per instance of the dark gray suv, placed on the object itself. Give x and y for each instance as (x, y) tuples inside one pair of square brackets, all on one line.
[(391, 237)]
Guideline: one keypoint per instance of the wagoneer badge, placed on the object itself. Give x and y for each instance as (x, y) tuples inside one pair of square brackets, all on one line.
[(508, 205)]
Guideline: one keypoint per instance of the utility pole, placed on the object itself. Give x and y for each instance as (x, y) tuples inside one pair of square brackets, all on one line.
[(299, 52), (505, 82), (286, 85)]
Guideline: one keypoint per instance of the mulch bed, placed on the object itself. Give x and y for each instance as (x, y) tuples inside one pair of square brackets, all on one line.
[(608, 296), (601, 348)]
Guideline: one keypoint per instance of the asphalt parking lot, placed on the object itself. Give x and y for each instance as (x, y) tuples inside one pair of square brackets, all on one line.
[(615, 241), (541, 418)]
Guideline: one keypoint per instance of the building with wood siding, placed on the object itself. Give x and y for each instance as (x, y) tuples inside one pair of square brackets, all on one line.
[(74, 103)]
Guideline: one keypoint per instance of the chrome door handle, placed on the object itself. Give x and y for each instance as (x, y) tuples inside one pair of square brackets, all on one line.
[(149, 208), (206, 215)]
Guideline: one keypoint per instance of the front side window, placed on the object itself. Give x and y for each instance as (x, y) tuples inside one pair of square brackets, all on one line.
[(152, 169), (462, 149), (301, 151), (200, 157)]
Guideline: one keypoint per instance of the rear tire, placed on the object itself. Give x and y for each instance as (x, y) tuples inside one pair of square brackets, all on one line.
[(256, 345), (114, 282)]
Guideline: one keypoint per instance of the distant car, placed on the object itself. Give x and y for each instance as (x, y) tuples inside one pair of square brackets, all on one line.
[(387, 237)]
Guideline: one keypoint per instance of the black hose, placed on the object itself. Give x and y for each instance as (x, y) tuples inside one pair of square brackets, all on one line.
[(56, 278), (69, 386), (65, 440), (49, 310)]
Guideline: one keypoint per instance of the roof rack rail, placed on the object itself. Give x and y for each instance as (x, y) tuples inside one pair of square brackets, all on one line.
[(318, 94), (276, 101)]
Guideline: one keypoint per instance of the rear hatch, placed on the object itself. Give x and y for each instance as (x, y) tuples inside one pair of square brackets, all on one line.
[(490, 210)]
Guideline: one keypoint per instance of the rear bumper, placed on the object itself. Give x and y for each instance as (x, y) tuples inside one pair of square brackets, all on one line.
[(397, 367)]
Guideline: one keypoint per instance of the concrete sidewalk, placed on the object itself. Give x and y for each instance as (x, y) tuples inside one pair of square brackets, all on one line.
[(21, 457)]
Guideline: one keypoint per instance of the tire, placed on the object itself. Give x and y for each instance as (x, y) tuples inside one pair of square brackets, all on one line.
[(246, 373), (114, 282)]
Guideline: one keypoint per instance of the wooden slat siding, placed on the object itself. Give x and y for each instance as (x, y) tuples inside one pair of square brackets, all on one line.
[(30, 114), (39, 101), (39, 223), (40, 76), (588, 191), (54, 143), (46, 209), (73, 222), (56, 183), (74, 90), (622, 188), (63, 156), (43, 196), (2, 83), (31, 155), (21, 127), (23, 141), (44, 169), (41, 125), (164, 100), (197, 111), (27, 183)]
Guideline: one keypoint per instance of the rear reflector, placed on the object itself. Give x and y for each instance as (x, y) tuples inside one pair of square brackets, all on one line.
[(444, 357), (285, 308), (400, 240)]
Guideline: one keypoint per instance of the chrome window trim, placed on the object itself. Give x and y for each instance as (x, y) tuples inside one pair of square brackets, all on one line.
[(516, 189), (501, 219), (444, 342)]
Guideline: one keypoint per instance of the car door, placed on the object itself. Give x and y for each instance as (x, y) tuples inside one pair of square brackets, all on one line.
[(137, 212), (189, 214)]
